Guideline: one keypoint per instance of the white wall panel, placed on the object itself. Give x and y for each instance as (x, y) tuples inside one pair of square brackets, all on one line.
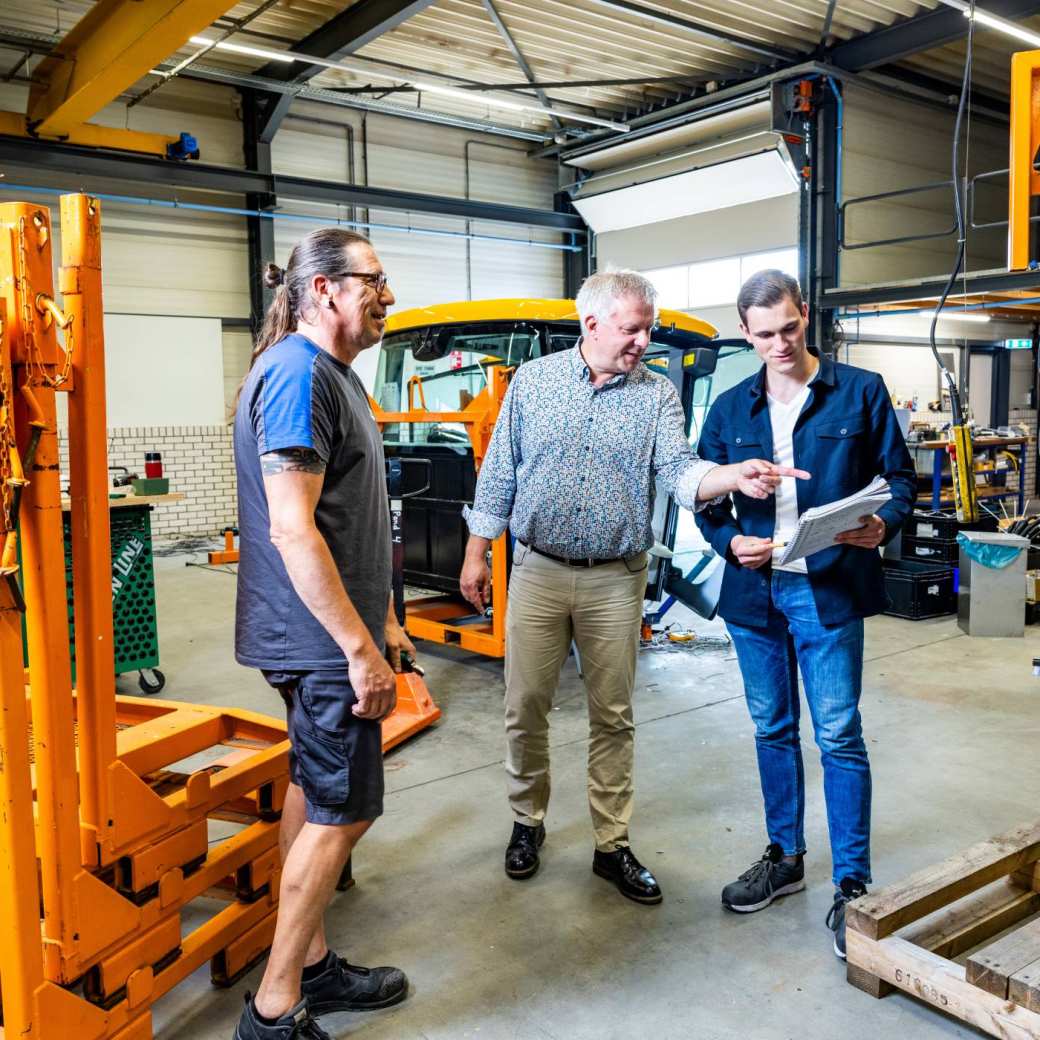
[(890, 144), (163, 371), (758, 226)]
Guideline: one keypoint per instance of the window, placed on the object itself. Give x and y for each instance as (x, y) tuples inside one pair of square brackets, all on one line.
[(785, 260), (715, 283), (672, 285)]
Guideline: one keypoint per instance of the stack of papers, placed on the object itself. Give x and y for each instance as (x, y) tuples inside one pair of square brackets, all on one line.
[(817, 527)]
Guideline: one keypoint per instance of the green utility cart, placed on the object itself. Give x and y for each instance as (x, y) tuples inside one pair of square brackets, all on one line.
[(134, 624)]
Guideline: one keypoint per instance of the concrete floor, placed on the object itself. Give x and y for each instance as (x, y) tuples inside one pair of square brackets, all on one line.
[(952, 724)]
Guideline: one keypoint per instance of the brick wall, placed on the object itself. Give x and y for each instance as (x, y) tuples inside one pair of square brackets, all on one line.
[(199, 463)]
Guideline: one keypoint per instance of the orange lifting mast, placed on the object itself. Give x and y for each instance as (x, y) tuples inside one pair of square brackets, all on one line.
[(105, 830), (1024, 136)]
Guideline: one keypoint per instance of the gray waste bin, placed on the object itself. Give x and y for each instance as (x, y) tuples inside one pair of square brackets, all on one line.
[(991, 600)]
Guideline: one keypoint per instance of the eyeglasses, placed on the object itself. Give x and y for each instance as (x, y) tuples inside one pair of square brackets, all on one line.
[(377, 280)]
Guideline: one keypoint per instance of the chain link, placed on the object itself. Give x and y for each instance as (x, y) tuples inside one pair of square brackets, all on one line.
[(35, 369), (7, 441)]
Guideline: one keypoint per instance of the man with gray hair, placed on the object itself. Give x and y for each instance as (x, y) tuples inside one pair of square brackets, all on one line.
[(570, 471)]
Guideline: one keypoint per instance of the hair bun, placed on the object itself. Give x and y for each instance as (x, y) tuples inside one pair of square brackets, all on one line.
[(274, 276)]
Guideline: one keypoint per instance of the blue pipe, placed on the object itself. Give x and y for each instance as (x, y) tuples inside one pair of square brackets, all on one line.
[(135, 200)]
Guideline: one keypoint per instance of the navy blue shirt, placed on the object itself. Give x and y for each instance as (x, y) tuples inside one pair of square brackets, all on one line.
[(299, 396), (846, 435)]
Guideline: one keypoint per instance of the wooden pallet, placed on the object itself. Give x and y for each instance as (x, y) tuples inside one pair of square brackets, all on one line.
[(908, 935)]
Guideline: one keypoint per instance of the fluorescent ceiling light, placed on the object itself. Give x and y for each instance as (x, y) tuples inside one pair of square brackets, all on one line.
[(256, 52), (469, 96), (734, 183), (995, 22), (965, 316)]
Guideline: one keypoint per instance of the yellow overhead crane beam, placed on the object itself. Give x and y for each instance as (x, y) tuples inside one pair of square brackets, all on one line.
[(108, 50)]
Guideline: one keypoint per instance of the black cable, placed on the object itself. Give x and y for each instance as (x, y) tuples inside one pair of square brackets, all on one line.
[(958, 207)]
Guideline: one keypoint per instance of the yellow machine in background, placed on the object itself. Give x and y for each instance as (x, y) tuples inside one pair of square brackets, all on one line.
[(443, 376), (117, 814)]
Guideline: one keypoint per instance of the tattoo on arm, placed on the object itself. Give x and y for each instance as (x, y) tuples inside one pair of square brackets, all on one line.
[(290, 460)]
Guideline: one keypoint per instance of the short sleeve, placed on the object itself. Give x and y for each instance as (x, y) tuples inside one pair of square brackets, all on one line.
[(293, 406)]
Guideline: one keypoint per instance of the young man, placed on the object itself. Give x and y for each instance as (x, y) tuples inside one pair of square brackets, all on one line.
[(570, 471), (837, 422), (314, 610)]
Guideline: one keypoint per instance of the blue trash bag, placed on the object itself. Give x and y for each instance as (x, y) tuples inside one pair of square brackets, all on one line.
[(989, 555)]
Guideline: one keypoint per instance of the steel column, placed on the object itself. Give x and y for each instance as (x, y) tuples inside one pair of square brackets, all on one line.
[(575, 265), (260, 230), (818, 220)]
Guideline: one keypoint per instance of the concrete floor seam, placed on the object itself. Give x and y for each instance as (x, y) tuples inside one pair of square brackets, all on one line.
[(563, 744)]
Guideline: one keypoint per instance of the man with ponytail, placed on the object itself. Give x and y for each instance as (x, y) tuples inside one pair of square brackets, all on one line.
[(314, 610)]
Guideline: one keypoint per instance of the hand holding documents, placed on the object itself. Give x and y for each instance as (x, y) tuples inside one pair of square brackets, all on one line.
[(819, 526)]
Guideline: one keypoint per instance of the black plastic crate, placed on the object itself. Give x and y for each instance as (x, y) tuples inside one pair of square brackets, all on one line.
[(919, 590), (945, 526), (931, 550)]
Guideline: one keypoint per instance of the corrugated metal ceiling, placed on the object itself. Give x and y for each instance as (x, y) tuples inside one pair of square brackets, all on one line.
[(563, 41)]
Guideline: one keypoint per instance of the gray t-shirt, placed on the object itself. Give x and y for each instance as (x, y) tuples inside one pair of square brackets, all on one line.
[(299, 396)]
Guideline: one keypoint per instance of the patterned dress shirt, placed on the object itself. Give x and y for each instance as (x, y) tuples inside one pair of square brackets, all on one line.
[(571, 467)]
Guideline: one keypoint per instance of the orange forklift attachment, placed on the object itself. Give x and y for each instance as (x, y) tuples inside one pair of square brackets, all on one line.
[(229, 554), (1023, 178), (414, 712), (124, 822)]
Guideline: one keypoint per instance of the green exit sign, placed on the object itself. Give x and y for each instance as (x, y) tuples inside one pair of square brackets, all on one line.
[(1018, 344)]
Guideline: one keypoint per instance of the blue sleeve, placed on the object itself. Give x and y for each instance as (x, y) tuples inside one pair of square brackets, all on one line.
[(892, 459), (293, 408), (716, 521)]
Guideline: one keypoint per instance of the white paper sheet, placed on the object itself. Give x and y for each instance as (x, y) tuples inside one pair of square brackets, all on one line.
[(818, 527)]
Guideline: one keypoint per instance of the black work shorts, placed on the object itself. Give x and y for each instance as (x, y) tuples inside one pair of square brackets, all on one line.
[(336, 758)]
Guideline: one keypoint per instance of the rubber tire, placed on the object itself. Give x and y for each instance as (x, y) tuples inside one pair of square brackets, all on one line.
[(151, 688)]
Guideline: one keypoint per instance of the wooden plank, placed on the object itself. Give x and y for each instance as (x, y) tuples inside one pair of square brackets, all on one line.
[(942, 984), (1028, 877), (992, 967), (1024, 987), (886, 910), (974, 920)]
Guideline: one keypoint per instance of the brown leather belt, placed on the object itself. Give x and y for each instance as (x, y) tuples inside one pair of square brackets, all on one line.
[(587, 561)]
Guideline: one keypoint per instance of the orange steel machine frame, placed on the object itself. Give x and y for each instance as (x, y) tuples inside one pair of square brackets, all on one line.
[(1023, 178), (431, 617), (115, 812)]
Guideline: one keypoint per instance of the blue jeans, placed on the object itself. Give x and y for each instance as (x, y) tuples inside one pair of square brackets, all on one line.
[(830, 658)]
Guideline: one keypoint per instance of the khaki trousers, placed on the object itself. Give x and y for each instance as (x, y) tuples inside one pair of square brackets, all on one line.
[(599, 608)]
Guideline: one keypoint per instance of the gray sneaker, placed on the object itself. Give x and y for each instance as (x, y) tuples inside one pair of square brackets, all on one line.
[(295, 1024), (766, 880), (850, 889), (349, 987)]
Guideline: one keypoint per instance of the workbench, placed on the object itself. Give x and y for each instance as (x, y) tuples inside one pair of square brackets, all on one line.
[(940, 498)]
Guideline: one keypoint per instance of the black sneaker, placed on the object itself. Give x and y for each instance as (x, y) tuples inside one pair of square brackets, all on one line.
[(850, 889), (295, 1024), (770, 877), (522, 851), (349, 987)]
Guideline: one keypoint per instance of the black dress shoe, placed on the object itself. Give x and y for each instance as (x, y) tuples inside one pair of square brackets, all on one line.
[(631, 877), (522, 851)]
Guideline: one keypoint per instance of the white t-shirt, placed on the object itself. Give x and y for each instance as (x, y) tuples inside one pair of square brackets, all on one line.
[(783, 417)]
